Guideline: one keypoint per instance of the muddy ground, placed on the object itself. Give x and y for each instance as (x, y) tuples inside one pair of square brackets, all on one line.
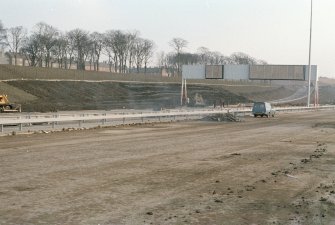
[(261, 171)]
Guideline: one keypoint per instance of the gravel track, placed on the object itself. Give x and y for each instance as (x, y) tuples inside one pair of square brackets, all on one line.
[(261, 171)]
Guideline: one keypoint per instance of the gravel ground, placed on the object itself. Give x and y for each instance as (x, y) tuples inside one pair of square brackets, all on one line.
[(261, 171)]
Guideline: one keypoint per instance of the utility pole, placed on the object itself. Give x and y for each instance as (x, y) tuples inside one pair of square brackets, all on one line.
[(182, 91), (309, 58)]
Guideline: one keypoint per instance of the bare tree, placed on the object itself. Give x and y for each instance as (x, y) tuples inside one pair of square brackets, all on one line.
[(116, 45), (2, 34), (139, 53), (87, 48), (204, 54), (216, 58), (161, 57), (171, 60), (60, 51), (71, 46), (189, 58), (242, 58), (31, 49), (14, 40), (261, 62), (178, 44), (121, 47), (80, 44), (97, 46), (47, 36), (148, 52), (131, 38), (126, 49), (109, 49)]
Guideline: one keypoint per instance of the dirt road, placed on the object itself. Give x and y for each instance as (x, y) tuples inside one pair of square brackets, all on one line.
[(260, 171)]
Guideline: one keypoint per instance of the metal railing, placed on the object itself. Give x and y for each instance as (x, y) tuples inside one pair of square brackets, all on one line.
[(102, 118)]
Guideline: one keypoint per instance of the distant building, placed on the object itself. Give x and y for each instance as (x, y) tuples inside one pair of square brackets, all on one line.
[(164, 72), (20, 59), (103, 67), (3, 57)]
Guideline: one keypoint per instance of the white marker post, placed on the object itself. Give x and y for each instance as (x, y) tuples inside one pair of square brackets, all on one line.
[(309, 58)]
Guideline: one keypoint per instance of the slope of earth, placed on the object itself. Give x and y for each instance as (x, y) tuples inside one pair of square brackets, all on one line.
[(326, 90), (16, 94), (327, 94), (326, 81), (132, 90), (274, 93), (44, 96), (79, 95), (261, 171)]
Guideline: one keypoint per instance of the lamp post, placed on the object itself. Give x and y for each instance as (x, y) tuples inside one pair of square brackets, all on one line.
[(309, 58)]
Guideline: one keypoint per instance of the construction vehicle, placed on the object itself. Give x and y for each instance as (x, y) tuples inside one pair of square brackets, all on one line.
[(6, 106)]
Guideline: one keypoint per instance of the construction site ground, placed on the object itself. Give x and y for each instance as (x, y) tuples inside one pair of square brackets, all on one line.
[(260, 171)]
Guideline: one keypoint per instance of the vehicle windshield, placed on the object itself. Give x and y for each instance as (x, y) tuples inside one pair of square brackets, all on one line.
[(259, 105)]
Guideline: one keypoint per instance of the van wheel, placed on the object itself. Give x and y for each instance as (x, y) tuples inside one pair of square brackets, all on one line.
[(255, 116)]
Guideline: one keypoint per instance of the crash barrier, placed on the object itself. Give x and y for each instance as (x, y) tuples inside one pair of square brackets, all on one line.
[(21, 120)]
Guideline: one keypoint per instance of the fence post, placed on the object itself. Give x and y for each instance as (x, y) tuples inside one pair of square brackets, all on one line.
[(104, 120), (1, 128)]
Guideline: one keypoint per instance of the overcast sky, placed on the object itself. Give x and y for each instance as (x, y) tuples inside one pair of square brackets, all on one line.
[(274, 30)]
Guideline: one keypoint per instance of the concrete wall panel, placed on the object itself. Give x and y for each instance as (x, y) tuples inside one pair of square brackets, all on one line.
[(236, 72), (214, 71), (277, 72), (313, 72), (193, 71), (246, 72)]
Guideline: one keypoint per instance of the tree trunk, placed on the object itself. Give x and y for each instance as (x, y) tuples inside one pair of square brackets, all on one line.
[(115, 64)]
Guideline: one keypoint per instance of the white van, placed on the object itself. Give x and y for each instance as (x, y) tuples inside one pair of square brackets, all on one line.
[(262, 109)]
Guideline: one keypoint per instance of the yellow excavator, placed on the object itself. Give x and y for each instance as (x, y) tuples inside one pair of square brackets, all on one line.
[(6, 106)]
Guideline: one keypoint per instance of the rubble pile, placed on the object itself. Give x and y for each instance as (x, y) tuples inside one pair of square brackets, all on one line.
[(224, 117)]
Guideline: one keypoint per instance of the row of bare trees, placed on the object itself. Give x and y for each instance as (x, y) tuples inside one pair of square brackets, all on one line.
[(205, 56), (178, 57), (121, 50), (46, 45)]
